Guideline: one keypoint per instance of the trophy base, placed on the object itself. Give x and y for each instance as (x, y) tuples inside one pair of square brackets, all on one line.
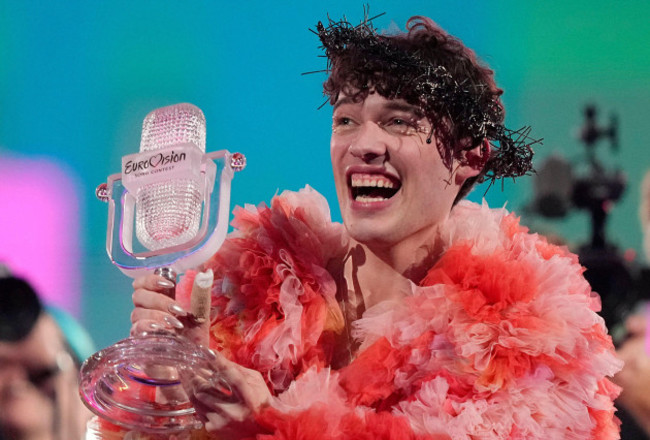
[(136, 383)]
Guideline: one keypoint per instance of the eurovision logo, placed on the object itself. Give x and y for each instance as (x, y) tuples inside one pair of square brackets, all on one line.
[(153, 162)]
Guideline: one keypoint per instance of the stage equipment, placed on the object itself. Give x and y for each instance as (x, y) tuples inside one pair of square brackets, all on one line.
[(589, 185)]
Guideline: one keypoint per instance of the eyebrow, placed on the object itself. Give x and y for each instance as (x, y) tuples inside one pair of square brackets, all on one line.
[(405, 107), (345, 100), (390, 105)]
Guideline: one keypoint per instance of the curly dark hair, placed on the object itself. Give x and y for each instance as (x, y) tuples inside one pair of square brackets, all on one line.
[(433, 70)]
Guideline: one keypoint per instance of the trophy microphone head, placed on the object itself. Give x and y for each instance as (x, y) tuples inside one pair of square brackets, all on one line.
[(173, 125), (168, 212)]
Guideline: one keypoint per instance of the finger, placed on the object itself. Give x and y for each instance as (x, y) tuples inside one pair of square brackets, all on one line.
[(229, 411), (155, 283), (152, 282), (246, 385), (212, 383), (195, 376), (164, 319), (153, 300), (246, 389), (219, 362), (204, 407), (229, 382), (221, 389), (216, 422), (147, 326), (201, 296)]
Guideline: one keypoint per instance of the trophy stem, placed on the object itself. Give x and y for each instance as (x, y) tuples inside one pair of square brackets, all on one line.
[(167, 273)]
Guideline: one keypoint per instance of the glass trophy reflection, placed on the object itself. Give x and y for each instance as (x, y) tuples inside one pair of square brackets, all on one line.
[(176, 198)]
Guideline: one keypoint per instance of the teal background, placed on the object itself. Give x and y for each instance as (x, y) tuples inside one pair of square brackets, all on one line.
[(77, 78)]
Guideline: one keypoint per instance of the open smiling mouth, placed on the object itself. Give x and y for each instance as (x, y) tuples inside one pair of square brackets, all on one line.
[(368, 188)]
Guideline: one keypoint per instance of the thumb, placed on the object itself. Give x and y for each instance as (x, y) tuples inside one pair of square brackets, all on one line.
[(201, 297), (198, 321)]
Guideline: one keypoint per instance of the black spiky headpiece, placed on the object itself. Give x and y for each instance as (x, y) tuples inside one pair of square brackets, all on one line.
[(460, 107)]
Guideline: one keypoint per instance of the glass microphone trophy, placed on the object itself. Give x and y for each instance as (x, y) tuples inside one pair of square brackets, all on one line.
[(176, 198)]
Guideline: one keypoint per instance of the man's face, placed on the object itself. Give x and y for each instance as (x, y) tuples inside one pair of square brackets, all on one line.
[(30, 377), (391, 184)]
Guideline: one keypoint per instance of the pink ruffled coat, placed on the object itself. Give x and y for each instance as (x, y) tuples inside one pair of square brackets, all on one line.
[(500, 341)]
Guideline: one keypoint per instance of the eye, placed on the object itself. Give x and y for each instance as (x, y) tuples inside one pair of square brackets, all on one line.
[(342, 123), (41, 376), (401, 125)]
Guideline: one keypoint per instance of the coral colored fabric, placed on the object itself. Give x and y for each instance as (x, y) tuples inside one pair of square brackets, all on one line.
[(501, 340)]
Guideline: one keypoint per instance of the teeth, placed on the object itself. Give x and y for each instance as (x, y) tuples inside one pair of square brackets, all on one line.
[(368, 199), (372, 188), (371, 182)]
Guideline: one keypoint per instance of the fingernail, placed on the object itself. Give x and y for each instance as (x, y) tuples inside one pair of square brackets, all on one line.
[(211, 354), (165, 283), (176, 310), (173, 322), (155, 326)]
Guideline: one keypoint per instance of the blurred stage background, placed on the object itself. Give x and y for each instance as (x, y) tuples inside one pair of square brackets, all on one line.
[(77, 77)]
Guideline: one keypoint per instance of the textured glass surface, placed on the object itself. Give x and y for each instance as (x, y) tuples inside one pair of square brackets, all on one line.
[(173, 125), (136, 383), (168, 213), (212, 231)]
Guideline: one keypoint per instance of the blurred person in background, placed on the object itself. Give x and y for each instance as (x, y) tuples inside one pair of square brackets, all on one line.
[(644, 214), (634, 378), (41, 350)]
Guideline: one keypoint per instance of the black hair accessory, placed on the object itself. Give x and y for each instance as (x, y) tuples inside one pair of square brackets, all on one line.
[(377, 62)]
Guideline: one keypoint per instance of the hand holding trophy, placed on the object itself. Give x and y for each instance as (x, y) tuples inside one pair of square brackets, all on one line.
[(168, 192)]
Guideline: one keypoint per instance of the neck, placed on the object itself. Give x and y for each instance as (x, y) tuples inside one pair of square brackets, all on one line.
[(378, 273), (412, 256)]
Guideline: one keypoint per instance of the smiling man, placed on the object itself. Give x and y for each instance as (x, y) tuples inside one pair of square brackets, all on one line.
[(394, 190), (422, 316)]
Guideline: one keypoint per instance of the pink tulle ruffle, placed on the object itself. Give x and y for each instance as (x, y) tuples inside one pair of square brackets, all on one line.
[(500, 341)]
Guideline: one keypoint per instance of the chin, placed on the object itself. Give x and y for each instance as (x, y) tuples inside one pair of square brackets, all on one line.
[(371, 236)]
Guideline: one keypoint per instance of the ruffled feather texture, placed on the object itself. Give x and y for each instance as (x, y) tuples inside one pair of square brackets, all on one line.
[(316, 407), (500, 341), (515, 350), (275, 304)]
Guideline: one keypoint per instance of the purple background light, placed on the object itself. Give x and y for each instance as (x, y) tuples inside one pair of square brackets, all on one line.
[(39, 228)]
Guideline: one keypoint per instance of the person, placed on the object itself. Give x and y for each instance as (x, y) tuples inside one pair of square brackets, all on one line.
[(644, 214), (423, 316), (634, 378), (38, 367)]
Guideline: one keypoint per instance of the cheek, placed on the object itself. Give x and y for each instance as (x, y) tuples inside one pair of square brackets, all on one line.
[(337, 146), (337, 155), (338, 168), (333, 149)]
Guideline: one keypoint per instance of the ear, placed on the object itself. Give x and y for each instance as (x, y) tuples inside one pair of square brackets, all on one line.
[(471, 162)]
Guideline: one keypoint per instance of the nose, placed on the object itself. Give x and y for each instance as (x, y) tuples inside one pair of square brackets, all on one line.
[(370, 144)]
